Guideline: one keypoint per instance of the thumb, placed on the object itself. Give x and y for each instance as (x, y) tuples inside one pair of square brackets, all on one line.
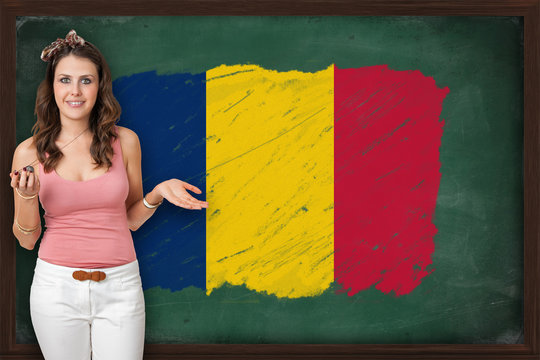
[(193, 188)]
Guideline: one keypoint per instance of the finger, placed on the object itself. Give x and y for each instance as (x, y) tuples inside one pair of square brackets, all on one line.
[(176, 202), (191, 201), (22, 180), (15, 179), (189, 197), (183, 203), (193, 205), (192, 188), (36, 179), (30, 182), (201, 203)]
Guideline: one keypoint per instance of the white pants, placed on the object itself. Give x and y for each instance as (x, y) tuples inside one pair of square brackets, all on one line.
[(83, 320)]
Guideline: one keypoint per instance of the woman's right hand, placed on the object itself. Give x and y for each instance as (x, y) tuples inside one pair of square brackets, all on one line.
[(25, 181)]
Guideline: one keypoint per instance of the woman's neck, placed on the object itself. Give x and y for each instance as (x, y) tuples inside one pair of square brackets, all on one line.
[(72, 129)]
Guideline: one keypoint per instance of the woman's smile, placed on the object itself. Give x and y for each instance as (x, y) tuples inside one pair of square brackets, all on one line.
[(75, 104)]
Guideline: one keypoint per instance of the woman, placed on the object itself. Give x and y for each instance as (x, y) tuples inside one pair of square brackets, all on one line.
[(86, 299)]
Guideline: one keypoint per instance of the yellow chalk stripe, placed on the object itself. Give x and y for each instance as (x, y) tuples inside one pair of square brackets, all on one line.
[(270, 180)]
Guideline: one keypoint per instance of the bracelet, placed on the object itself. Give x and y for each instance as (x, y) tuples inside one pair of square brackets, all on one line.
[(25, 197), (150, 206), (26, 231)]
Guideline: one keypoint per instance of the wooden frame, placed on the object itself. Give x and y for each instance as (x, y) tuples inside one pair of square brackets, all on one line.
[(528, 9)]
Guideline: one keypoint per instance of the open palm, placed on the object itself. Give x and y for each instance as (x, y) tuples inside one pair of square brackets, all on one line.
[(175, 191)]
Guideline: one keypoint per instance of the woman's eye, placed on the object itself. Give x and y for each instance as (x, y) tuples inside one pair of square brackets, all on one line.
[(83, 81)]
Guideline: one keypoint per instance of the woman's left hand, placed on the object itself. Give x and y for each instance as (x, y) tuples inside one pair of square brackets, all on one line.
[(174, 191)]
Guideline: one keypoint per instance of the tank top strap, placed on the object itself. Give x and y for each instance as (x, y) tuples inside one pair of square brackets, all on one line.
[(41, 167), (117, 148)]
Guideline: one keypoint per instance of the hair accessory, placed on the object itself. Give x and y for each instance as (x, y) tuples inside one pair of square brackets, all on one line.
[(26, 231), (25, 197), (150, 206), (72, 39)]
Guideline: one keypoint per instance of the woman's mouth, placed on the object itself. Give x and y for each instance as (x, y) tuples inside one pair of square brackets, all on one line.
[(75, 104)]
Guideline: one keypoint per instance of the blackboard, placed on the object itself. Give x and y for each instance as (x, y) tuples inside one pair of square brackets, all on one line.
[(475, 292)]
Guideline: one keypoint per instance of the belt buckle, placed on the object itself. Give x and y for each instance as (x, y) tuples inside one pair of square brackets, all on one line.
[(96, 276)]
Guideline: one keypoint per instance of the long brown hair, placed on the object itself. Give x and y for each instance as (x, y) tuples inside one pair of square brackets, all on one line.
[(103, 117)]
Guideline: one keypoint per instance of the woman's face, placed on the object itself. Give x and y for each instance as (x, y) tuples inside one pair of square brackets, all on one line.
[(76, 85)]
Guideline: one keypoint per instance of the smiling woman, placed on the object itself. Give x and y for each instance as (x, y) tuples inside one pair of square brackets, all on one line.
[(89, 183), (75, 95), (77, 90)]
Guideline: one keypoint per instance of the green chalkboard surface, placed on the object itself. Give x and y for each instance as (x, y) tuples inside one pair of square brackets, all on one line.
[(475, 293)]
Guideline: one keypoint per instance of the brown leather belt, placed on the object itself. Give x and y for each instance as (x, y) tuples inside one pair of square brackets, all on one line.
[(91, 275)]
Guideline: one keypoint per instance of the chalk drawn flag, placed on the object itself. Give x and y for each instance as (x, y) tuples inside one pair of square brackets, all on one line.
[(311, 178)]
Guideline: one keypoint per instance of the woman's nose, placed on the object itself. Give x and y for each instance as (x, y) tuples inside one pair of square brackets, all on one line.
[(75, 90)]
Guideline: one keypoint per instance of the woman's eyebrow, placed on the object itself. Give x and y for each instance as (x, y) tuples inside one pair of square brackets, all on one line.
[(85, 75)]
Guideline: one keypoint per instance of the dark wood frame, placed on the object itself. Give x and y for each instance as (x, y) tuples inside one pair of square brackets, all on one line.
[(528, 9)]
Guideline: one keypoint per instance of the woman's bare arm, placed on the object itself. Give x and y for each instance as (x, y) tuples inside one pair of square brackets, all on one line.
[(173, 190), (26, 219)]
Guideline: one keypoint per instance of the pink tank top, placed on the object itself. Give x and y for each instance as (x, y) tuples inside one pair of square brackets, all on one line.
[(86, 221)]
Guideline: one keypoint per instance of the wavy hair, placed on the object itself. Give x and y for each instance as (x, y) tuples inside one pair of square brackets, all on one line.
[(103, 116)]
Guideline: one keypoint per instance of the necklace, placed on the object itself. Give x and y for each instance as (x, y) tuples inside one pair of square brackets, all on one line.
[(75, 138), (63, 147)]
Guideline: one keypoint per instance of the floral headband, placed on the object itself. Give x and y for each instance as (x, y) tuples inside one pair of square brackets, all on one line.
[(72, 39)]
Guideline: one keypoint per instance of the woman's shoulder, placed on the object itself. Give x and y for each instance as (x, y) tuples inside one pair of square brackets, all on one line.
[(127, 137), (26, 150), (25, 154), (129, 142)]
